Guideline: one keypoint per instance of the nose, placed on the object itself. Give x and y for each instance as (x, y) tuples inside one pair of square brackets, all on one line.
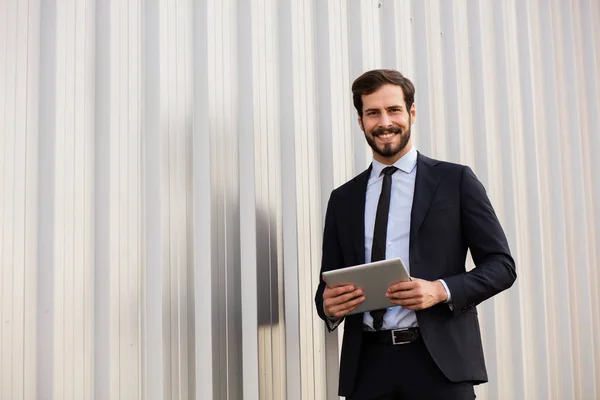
[(384, 120)]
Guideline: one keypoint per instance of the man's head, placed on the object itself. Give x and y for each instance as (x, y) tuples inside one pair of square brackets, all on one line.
[(384, 100)]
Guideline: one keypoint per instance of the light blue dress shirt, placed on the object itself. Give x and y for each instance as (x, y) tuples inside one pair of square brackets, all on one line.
[(398, 230)]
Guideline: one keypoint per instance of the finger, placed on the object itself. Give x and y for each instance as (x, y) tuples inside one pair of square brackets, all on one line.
[(340, 289), (343, 302), (402, 286), (337, 291), (341, 299), (408, 302), (343, 309), (347, 311), (352, 304), (404, 294)]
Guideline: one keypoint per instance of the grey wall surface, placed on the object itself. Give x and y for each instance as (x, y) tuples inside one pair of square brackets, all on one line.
[(165, 166)]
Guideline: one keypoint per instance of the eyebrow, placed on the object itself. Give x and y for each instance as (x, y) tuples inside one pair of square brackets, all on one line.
[(387, 108)]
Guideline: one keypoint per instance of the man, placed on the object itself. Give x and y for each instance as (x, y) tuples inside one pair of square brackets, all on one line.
[(427, 344)]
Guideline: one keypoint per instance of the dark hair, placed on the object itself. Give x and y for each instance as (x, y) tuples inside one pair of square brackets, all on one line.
[(370, 81)]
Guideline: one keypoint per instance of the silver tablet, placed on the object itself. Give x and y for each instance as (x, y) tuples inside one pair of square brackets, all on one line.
[(373, 278)]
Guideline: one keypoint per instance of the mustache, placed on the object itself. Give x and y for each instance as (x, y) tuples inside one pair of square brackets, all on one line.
[(381, 131)]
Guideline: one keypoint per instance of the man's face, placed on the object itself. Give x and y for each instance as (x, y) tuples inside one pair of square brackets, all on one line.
[(386, 123)]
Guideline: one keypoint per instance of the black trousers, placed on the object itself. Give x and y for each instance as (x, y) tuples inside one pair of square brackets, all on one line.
[(404, 372)]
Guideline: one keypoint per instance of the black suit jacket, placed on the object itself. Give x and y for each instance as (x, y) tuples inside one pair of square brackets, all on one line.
[(450, 214)]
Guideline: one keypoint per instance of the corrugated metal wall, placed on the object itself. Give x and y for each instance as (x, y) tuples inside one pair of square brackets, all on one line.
[(165, 164)]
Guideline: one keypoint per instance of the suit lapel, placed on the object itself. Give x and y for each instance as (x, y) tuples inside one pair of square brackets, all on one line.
[(357, 204), (426, 184)]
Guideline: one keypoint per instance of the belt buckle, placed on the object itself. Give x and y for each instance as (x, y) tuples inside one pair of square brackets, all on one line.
[(394, 340)]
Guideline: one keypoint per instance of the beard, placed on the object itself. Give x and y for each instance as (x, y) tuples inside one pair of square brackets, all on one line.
[(389, 149)]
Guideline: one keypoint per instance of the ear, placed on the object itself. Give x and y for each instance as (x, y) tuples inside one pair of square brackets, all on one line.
[(362, 128), (413, 113)]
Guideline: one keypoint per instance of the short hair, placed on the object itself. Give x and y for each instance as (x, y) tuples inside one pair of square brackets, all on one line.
[(372, 80)]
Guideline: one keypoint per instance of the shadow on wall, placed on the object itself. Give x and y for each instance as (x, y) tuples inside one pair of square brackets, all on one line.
[(267, 273)]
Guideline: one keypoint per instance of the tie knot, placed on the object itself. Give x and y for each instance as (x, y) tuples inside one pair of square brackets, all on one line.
[(389, 170)]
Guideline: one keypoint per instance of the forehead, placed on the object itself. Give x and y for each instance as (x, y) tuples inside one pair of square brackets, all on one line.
[(386, 96)]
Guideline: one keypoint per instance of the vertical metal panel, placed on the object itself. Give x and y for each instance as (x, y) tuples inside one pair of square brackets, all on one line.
[(335, 151), (176, 139), (590, 108), (267, 156), (165, 167), (558, 311), (19, 116), (46, 200), (289, 258), (17, 169), (253, 379), (101, 368), (153, 255), (205, 357), (534, 226), (32, 187), (515, 192), (225, 198), (124, 231), (308, 217), (7, 169)]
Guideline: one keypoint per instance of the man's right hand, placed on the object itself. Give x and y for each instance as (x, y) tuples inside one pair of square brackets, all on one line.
[(339, 301)]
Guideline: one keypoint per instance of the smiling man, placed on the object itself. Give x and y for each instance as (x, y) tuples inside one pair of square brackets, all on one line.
[(427, 344)]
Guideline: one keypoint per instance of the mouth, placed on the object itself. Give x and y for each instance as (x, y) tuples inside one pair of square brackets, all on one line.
[(389, 141), (386, 137)]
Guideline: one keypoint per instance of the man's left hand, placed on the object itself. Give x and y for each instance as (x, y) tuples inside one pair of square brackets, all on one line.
[(417, 294)]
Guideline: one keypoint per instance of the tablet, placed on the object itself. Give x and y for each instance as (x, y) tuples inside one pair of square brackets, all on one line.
[(373, 278)]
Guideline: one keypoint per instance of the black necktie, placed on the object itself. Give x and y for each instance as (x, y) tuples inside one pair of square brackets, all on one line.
[(380, 232)]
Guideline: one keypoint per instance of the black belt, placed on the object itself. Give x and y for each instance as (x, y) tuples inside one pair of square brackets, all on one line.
[(394, 336)]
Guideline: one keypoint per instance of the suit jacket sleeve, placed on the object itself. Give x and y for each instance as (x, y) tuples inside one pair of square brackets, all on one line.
[(332, 257), (494, 267)]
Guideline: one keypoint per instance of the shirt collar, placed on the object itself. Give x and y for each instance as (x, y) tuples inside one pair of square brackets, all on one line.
[(406, 163)]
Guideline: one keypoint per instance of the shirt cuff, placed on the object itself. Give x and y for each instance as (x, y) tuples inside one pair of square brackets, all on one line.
[(449, 299), (332, 323)]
